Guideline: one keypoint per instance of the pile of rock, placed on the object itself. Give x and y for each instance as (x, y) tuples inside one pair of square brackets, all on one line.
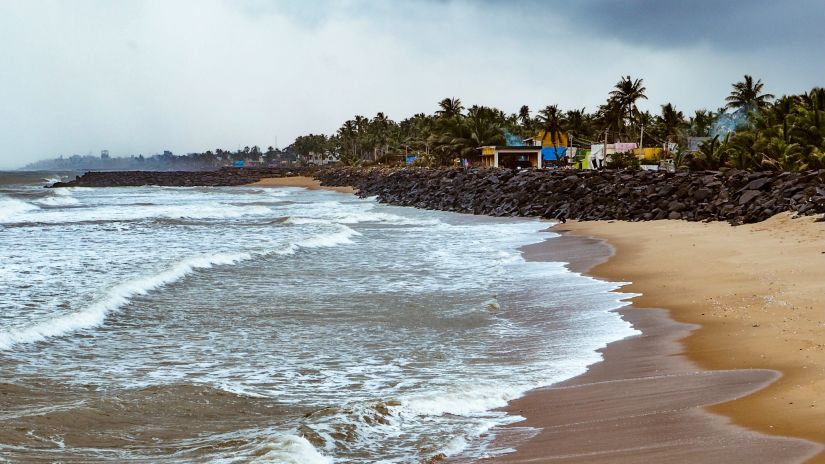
[(734, 196), (221, 177)]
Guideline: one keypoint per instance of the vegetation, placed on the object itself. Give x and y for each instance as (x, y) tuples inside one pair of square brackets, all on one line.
[(783, 134), (787, 135), (167, 161), (752, 131)]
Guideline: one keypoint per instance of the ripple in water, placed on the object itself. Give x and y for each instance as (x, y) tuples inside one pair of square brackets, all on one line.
[(274, 325)]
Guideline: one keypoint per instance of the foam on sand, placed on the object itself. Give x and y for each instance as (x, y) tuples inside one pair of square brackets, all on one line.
[(289, 449)]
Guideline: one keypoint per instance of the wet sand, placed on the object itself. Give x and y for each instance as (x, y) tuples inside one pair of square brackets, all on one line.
[(684, 392), (299, 181)]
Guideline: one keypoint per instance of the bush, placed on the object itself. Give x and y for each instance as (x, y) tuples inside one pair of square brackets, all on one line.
[(623, 161)]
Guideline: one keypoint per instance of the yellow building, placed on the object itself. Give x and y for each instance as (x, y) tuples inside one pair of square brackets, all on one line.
[(648, 154), (545, 139)]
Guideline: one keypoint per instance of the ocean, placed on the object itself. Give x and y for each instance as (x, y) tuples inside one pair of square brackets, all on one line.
[(285, 325)]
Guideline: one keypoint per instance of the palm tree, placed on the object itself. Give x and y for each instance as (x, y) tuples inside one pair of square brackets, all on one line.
[(611, 115), (626, 93), (525, 120), (552, 118), (462, 137), (577, 122), (348, 135), (361, 132), (671, 121), (700, 123), (450, 107), (380, 131), (815, 99), (748, 94)]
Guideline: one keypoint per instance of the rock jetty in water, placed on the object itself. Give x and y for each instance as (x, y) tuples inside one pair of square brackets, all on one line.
[(734, 196), (221, 177)]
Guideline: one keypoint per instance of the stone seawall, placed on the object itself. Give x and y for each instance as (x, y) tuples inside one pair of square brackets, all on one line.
[(734, 196), (220, 177)]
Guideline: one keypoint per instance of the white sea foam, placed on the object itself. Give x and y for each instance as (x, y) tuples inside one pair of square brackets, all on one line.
[(11, 208), (289, 449), (70, 190), (462, 399), (95, 314), (342, 236), (415, 406), (60, 200), (129, 212)]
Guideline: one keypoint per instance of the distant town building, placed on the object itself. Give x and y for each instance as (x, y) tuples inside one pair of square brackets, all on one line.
[(319, 159), (104, 154)]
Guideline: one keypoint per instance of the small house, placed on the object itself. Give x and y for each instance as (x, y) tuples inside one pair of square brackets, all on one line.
[(526, 156)]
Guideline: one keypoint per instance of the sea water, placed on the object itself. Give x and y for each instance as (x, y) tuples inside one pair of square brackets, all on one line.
[(275, 325)]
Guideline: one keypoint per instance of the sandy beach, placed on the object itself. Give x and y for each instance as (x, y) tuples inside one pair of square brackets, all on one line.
[(732, 371), (299, 181)]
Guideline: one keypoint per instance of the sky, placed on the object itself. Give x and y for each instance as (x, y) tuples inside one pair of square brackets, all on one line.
[(140, 77)]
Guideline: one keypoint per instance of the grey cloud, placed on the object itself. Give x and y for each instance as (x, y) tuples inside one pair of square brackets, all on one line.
[(186, 75), (728, 25)]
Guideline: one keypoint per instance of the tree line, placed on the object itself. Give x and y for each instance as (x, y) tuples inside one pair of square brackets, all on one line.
[(168, 161), (787, 133), (752, 130)]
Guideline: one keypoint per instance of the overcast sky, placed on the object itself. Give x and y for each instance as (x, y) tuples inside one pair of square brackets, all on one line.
[(144, 76)]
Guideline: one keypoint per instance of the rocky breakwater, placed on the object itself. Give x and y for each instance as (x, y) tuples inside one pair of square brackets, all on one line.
[(220, 177), (734, 196)]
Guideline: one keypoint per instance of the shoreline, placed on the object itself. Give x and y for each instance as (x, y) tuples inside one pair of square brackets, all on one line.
[(298, 181), (687, 404), (661, 396)]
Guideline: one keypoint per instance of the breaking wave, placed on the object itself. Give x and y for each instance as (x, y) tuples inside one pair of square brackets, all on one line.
[(289, 449), (10, 207), (117, 297)]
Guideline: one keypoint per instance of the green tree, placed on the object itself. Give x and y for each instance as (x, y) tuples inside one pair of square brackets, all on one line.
[(450, 108), (551, 119), (672, 122), (701, 123), (625, 94), (748, 94)]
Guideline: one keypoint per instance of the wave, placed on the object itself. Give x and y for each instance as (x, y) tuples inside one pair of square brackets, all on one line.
[(95, 314), (10, 207), (463, 400), (289, 449), (57, 201), (133, 213), (358, 217), (117, 297)]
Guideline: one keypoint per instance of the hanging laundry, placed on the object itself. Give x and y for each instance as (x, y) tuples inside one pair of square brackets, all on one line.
[(624, 147)]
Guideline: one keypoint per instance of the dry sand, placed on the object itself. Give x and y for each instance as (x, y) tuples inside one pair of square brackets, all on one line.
[(732, 371), (750, 301), (299, 181)]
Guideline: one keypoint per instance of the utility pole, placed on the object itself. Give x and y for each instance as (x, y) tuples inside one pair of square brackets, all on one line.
[(642, 142), (604, 149)]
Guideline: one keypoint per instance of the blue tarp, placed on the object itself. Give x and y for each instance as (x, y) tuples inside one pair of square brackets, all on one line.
[(411, 159), (238, 164), (553, 153)]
